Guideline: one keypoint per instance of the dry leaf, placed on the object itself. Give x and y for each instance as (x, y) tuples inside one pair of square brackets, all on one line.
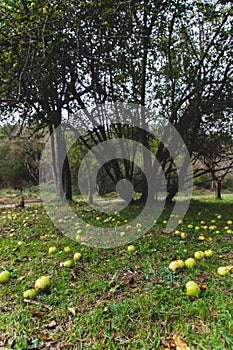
[(72, 310), (179, 343), (52, 324)]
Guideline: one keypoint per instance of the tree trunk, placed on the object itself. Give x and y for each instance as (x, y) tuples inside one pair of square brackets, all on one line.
[(218, 189), (55, 176), (64, 174)]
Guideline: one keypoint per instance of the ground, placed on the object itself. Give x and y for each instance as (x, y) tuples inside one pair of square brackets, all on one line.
[(112, 298)]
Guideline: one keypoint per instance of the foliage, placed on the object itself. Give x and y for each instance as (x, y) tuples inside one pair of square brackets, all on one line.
[(60, 56)]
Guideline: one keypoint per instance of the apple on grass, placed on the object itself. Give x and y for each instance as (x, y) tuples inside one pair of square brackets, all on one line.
[(183, 235), (201, 238), (4, 276), (192, 289), (223, 271), (208, 253), (68, 263), (77, 256), (29, 294), (176, 264), (131, 248), (199, 255), (67, 249), (52, 250), (190, 263), (42, 284)]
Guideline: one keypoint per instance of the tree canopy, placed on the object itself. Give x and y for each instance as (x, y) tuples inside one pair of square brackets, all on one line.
[(58, 57)]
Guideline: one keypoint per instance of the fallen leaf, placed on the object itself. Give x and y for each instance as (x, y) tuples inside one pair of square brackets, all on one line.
[(72, 310), (50, 325), (179, 343)]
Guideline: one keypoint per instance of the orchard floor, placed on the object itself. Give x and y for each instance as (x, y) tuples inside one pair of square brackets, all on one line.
[(112, 298)]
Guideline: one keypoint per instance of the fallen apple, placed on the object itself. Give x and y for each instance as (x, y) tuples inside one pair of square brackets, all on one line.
[(122, 234), (77, 256), (183, 235), (4, 276), (131, 248), (229, 222), (199, 255), (67, 249), (42, 283), (190, 263), (29, 294), (223, 271), (208, 253), (52, 250), (201, 238), (174, 265), (192, 289), (181, 263), (68, 263)]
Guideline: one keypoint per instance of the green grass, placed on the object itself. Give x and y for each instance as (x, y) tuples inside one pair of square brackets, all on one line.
[(112, 299)]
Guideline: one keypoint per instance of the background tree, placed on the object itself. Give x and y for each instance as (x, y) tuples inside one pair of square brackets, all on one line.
[(58, 57)]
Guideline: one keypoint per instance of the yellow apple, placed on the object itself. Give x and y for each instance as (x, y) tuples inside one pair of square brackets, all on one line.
[(42, 283), (4, 276), (192, 289), (29, 294), (190, 263), (77, 256), (199, 255)]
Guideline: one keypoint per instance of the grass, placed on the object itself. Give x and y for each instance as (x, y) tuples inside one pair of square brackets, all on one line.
[(113, 299)]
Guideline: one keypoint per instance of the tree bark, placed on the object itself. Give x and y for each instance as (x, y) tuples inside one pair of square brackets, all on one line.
[(218, 189)]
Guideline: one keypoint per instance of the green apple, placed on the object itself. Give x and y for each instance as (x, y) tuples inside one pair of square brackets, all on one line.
[(4, 276), (131, 248), (174, 265), (68, 263), (52, 250), (197, 228), (229, 222), (181, 263), (77, 256), (208, 253), (201, 238), (29, 294), (223, 271), (138, 225), (190, 263), (199, 255), (79, 231), (67, 249), (122, 234), (20, 243), (192, 289), (183, 235), (190, 226), (42, 283)]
